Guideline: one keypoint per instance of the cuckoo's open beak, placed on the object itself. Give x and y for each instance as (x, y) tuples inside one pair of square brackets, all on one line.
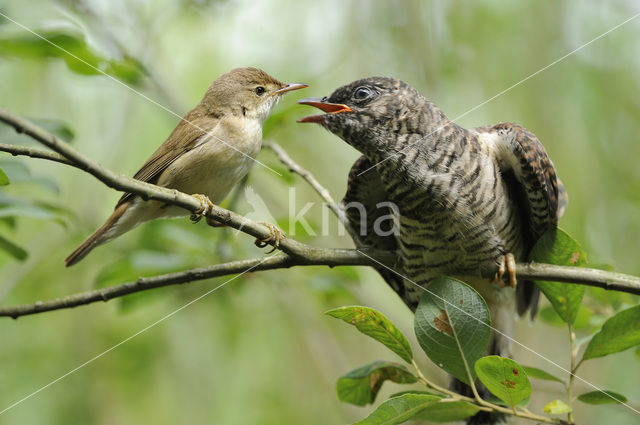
[(326, 107), (289, 87)]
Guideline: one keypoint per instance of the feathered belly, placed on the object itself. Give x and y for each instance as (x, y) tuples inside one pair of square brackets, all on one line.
[(459, 242)]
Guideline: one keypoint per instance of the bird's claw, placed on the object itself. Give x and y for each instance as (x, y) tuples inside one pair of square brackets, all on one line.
[(274, 238), (205, 208), (506, 264)]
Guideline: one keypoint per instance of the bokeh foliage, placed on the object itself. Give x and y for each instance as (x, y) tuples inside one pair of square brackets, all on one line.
[(262, 340)]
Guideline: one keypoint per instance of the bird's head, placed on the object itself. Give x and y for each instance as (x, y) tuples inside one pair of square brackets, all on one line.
[(248, 92), (370, 114)]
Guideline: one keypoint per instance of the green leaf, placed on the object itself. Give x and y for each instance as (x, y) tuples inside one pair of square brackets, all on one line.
[(361, 386), (582, 321), (4, 180), (557, 247), (638, 353), (534, 372), (399, 409), (618, 333), (447, 410), (374, 324), (78, 56), (399, 393), (602, 397), (452, 324), (12, 249), (505, 378), (557, 407)]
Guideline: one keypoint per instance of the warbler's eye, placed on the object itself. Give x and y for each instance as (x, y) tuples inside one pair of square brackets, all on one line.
[(363, 93), (260, 90)]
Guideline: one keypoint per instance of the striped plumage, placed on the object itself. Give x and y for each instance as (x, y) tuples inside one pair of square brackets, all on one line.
[(464, 197)]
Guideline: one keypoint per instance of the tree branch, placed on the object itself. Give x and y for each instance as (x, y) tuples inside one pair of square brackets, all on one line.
[(16, 150), (321, 257), (295, 253), (146, 190)]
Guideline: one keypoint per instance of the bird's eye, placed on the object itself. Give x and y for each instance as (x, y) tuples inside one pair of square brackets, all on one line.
[(362, 93), (260, 90)]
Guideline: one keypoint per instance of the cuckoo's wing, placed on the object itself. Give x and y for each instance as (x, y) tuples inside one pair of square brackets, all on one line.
[(364, 205), (532, 179), (182, 139)]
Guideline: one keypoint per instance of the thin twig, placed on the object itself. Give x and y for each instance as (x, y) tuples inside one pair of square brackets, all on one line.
[(16, 150), (582, 275), (294, 167)]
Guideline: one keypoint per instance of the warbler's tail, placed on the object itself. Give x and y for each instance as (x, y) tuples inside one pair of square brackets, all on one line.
[(103, 234)]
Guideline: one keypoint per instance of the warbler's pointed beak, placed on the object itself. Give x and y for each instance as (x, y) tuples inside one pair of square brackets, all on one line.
[(289, 87), (326, 107)]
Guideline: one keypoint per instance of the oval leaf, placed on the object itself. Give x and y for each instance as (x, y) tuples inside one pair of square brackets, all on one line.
[(602, 397), (399, 409), (361, 386), (505, 379), (556, 247), (4, 180), (534, 372), (556, 407), (618, 333), (452, 324), (72, 48), (374, 324), (447, 410)]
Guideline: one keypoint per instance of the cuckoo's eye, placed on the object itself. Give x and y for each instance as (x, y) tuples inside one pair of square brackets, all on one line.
[(260, 90), (363, 93)]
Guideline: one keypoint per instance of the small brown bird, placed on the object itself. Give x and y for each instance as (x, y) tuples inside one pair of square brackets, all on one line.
[(208, 152)]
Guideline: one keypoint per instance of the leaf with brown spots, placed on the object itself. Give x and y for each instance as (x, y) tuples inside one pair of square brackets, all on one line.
[(374, 324), (442, 323), (452, 325), (505, 378)]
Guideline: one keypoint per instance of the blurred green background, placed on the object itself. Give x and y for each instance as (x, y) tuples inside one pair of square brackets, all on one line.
[(259, 350)]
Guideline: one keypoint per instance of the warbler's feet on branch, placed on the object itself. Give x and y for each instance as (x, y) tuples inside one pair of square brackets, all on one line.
[(205, 208), (506, 264), (274, 238)]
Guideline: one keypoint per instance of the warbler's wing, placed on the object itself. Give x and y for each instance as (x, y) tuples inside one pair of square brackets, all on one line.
[(187, 134), (532, 179), (364, 205)]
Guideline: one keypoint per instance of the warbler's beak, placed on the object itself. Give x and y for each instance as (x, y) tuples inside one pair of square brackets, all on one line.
[(326, 107), (289, 87)]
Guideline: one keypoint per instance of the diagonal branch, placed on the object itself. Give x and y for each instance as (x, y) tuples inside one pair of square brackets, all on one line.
[(146, 190), (295, 253), (294, 167)]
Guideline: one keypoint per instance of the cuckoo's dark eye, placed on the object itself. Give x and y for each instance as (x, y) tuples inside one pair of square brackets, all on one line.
[(363, 93), (260, 90)]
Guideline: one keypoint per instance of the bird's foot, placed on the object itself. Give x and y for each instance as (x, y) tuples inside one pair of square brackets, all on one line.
[(506, 264), (274, 238), (205, 208)]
